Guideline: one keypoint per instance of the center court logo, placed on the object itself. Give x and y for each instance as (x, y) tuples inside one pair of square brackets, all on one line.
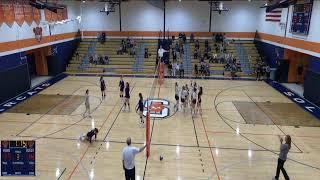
[(159, 108)]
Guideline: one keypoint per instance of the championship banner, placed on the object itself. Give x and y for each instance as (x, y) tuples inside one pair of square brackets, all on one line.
[(36, 15), (54, 16), (1, 15), (60, 14), (18, 12), (27, 9), (65, 13), (8, 12), (48, 15)]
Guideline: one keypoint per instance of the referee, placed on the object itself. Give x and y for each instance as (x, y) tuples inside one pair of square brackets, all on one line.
[(128, 154)]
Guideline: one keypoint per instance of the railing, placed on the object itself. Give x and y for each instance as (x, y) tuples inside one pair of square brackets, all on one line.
[(139, 58), (85, 60), (243, 58), (187, 65)]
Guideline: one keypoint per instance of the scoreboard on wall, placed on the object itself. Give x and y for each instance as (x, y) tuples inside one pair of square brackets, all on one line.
[(301, 17), (18, 158)]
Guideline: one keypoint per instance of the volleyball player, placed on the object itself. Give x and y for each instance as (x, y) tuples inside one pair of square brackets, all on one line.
[(87, 104), (121, 86), (127, 96), (140, 107), (187, 95), (176, 96), (102, 87), (89, 135), (183, 98), (199, 100), (193, 102)]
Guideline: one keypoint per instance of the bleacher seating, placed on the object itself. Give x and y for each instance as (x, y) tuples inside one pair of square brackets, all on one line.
[(118, 63)]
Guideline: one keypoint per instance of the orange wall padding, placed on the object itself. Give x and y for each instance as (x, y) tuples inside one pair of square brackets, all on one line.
[(296, 59)]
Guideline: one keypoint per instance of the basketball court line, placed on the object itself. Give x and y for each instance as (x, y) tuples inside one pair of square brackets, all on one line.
[(101, 127), (64, 170), (214, 162), (242, 135), (67, 97), (162, 144), (195, 130), (44, 123), (270, 119), (262, 134)]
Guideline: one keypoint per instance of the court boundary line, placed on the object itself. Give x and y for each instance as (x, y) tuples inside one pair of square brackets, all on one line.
[(214, 162), (48, 84), (270, 118), (168, 145), (245, 137), (46, 113), (62, 173), (119, 100)]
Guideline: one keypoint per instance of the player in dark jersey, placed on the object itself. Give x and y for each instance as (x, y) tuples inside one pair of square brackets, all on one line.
[(89, 135), (102, 87), (199, 100), (127, 96), (140, 108), (121, 86), (176, 96)]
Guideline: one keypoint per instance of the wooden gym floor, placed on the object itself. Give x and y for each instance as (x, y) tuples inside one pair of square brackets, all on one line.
[(236, 137)]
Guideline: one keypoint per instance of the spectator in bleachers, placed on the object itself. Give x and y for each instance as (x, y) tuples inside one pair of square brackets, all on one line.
[(177, 69), (77, 56), (196, 69), (91, 59), (95, 59), (106, 59), (170, 69), (174, 55), (133, 50), (259, 70), (181, 70), (184, 38), (177, 47), (268, 70), (217, 48), (146, 53), (195, 54), (124, 47), (191, 38), (197, 45)]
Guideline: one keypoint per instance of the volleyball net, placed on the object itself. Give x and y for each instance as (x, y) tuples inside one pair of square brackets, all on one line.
[(158, 79)]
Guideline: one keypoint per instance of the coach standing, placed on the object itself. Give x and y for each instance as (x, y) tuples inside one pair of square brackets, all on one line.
[(128, 154)]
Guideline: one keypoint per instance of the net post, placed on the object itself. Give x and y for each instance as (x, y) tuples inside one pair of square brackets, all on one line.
[(161, 73), (148, 133)]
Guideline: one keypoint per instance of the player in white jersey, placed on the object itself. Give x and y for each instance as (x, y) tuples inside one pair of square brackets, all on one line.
[(183, 97), (193, 102)]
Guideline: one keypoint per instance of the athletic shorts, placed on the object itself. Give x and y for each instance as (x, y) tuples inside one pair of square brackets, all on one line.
[(176, 97), (194, 101), (182, 100)]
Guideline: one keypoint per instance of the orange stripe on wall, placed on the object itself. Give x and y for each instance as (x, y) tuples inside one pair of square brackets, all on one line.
[(157, 33), (14, 45), (297, 43)]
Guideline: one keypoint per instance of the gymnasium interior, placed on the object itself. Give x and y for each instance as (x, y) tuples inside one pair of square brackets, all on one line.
[(257, 61)]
